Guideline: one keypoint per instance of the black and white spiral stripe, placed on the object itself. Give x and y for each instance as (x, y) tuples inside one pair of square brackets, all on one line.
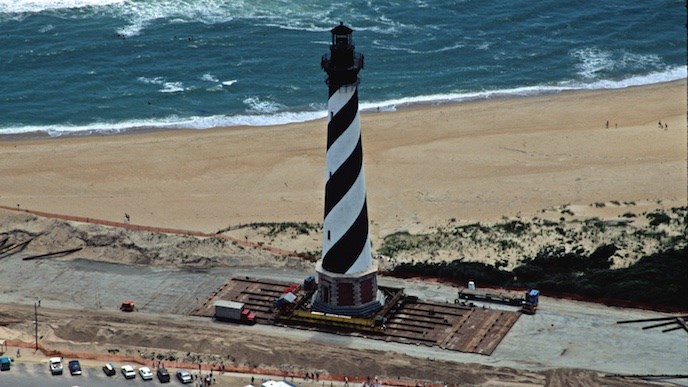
[(346, 241)]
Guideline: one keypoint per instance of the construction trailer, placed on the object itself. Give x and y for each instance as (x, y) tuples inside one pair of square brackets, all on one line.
[(234, 311)]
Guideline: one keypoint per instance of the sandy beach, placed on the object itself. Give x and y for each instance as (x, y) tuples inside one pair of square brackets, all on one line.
[(550, 156), (473, 161)]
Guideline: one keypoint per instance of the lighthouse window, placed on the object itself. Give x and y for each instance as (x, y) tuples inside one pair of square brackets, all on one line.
[(341, 39), (328, 235)]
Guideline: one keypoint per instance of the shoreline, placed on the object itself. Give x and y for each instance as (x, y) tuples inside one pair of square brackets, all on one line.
[(397, 107)]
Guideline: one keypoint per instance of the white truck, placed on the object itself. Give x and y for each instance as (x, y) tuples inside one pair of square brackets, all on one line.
[(234, 311)]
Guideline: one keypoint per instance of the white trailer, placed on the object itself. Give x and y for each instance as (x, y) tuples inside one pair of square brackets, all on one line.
[(233, 311), (228, 310)]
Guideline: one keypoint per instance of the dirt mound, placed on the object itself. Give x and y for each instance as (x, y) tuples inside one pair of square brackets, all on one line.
[(128, 246)]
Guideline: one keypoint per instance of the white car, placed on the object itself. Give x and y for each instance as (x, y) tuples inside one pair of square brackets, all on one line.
[(128, 372), (146, 373), (56, 366)]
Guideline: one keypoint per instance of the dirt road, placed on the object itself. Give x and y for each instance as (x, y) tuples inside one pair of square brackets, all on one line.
[(79, 313)]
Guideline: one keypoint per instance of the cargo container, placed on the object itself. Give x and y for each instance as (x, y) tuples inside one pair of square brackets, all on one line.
[(234, 311)]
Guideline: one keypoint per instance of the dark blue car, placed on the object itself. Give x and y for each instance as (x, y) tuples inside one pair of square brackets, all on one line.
[(74, 367)]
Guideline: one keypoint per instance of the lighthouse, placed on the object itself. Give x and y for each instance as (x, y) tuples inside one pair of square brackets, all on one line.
[(347, 273)]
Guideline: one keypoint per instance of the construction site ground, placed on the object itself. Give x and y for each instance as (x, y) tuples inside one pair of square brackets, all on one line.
[(414, 321), (80, 300)]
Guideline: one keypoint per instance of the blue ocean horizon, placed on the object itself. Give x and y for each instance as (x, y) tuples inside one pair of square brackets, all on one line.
[(84, 66)]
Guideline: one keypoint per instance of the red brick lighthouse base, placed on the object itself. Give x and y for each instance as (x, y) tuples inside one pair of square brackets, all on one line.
[(346, 294)]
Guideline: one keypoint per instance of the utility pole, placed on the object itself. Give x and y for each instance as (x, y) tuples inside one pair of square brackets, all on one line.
[(35, 314)]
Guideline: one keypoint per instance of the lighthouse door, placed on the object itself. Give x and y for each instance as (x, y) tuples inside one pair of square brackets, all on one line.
[(326, 294)]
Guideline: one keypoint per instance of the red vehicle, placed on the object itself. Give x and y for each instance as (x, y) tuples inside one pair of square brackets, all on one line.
[(127, 306)]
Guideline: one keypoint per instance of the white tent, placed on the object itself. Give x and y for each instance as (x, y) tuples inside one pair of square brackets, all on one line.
[(272, 383)]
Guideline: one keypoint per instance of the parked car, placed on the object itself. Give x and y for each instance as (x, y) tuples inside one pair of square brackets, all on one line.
[(184, 376), (109, 369), (56, 366), (5, 363), (146, 373), (128, 372), (74, 367), (163, 375)]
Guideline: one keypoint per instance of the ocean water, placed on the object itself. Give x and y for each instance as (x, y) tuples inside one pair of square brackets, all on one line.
[(81, 66)]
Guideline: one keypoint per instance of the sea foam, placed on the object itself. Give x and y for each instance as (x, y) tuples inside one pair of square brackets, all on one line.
[(35, 6), (671, 74), (172, 122), (267, 113)]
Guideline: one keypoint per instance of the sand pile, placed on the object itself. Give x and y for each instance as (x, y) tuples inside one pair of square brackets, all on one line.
[(121, 245)]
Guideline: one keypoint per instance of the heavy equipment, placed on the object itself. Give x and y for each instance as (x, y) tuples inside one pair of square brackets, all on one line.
[(530, 302)]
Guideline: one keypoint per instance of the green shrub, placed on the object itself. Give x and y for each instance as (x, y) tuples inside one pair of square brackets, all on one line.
[(657, 218), (658, 279)]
